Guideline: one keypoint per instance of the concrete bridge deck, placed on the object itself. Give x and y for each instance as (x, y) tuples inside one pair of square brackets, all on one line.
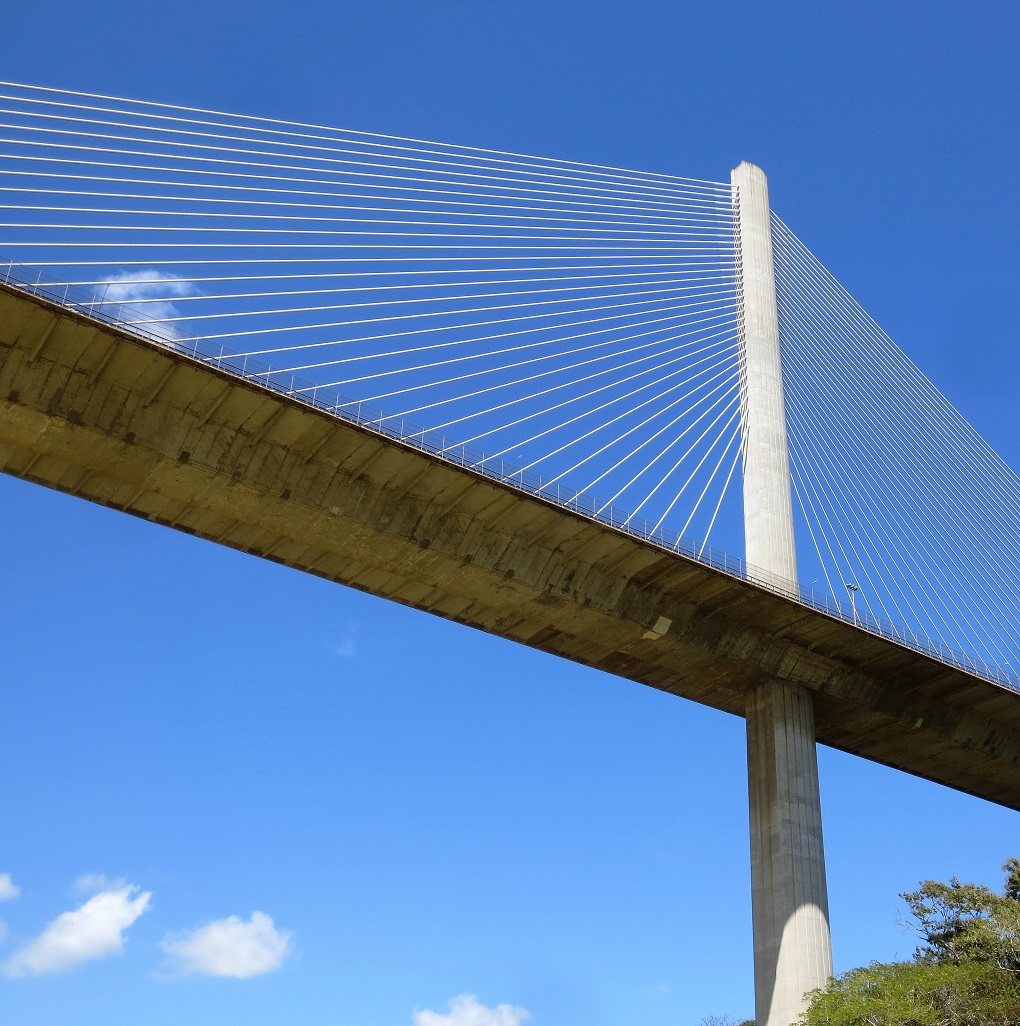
[(105, 415)]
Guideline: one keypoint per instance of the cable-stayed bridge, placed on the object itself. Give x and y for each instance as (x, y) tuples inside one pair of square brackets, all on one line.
[(551, 400)]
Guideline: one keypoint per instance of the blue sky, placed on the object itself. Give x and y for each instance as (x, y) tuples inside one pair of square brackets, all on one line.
[(423, 811)]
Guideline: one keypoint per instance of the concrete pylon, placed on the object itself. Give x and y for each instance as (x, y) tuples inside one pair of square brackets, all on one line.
[(792, 949)]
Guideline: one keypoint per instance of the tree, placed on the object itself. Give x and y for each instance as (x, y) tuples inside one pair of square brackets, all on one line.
[(965, 923), (965, 972)]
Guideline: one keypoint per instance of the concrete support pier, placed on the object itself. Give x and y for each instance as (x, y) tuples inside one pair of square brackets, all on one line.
[(792, 951)]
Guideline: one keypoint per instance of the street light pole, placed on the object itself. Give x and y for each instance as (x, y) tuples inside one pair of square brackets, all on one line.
[(853, 589)]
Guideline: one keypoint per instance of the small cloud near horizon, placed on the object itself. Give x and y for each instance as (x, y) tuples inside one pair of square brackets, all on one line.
[(466, 1010)]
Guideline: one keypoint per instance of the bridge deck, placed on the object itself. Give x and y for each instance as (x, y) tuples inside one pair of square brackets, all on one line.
[(102, 414)]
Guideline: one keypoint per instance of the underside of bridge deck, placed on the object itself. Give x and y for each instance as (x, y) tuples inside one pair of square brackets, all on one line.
[(101, 414)]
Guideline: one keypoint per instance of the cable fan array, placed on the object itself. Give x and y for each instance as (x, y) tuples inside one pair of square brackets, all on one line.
[(905, 510), (573, 324), (566, 327)]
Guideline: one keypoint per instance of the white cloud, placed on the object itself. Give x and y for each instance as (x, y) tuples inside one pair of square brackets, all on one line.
[(93, 930), (229, 947), (9, 890), (93, 883), (465, 1010), (348, 645), (155, 287)]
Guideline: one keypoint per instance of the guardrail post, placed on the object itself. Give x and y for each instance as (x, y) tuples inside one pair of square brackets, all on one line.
[(792, 949)]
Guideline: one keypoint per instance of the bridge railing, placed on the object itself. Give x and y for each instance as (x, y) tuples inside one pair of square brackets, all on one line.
[(330, 400)]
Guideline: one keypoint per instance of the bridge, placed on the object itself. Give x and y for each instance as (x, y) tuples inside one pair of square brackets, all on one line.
[(515, 392)]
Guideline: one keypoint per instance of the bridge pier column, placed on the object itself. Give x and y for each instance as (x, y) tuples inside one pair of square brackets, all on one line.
[(792, 951)]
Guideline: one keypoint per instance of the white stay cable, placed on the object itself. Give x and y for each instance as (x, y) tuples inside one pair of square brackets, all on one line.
[(738, 453), (534, 377), (729, 377), (967, 602), (722, 310), (605, 425), (735, 405), (713, 362), (945, 511), (713, 186), (439, 168)]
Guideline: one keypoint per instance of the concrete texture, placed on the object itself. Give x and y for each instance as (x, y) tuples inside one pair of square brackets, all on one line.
[(792, 948), (768, 505), (101, 414), (789, 898)]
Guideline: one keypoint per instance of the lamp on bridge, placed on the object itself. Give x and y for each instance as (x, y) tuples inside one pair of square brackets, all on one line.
[(853, 589)]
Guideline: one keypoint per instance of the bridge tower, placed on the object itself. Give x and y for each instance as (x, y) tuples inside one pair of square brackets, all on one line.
[(792, 950)]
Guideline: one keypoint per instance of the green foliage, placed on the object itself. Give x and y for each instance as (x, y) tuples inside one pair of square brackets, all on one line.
[(965, 923), (966, 971), (919, 994)]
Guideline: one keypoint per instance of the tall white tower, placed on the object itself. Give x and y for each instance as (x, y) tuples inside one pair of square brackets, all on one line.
[(792, 950)]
